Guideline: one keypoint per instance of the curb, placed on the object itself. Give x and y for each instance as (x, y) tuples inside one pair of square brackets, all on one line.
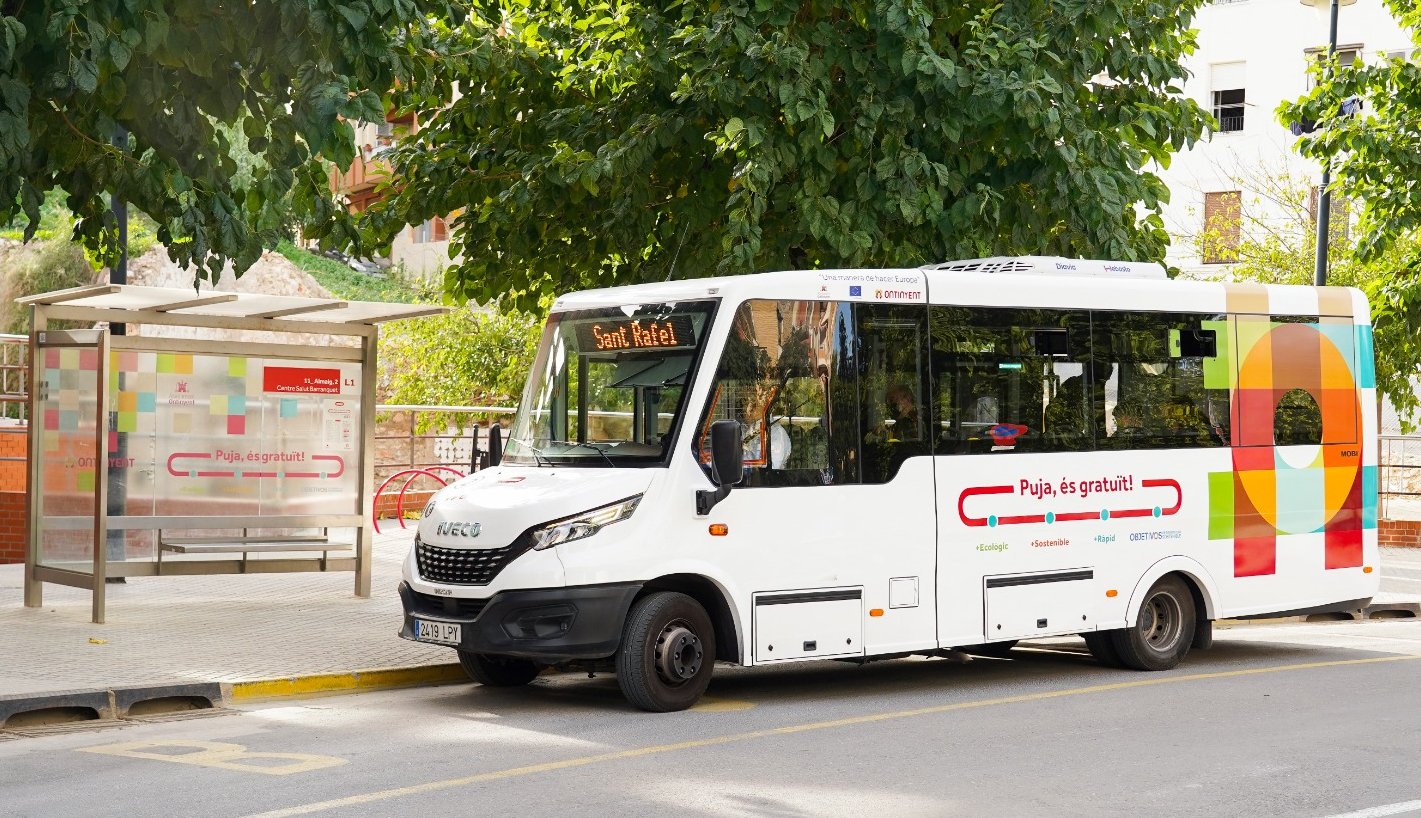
[(350, 682), (1378, 610), (107, 703), (114, 703)]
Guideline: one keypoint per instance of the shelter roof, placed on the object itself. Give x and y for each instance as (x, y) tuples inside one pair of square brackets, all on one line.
[(133, 304)]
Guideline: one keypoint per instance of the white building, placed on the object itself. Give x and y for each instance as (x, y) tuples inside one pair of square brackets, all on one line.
[(1253, 55)]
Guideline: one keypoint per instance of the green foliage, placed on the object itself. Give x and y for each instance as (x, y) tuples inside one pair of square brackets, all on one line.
[(625, 142), (289, 73), (343, 282), (1376, 155), (467, 357), (43, 266), (1278, 245)]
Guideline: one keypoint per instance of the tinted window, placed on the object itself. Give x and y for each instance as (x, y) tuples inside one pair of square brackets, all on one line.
[(1006, 380), (1155, 394), (893, 368)]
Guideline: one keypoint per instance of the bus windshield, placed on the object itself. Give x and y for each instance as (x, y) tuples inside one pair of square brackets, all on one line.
[(608, 386)]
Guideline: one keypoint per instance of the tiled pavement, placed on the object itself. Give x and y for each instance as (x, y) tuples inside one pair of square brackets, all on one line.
[(210, 628), (264, 626)]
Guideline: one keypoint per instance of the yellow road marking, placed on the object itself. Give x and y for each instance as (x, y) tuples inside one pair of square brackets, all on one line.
[(531, 769), (219, 754)]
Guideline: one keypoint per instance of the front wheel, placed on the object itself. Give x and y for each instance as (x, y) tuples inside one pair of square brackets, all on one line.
[(1163, 630), (498, 671), (668, 650)]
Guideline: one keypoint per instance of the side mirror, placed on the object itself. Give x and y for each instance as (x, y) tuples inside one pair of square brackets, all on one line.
[(727, 456)]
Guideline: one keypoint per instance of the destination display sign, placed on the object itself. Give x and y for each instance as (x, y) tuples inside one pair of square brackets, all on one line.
[(617, 334)]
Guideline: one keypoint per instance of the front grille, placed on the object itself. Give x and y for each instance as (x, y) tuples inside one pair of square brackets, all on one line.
[(465, 566), (445, 605)]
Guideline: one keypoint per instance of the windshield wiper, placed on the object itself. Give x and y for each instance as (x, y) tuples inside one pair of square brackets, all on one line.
[(594, 447), (538, 456)]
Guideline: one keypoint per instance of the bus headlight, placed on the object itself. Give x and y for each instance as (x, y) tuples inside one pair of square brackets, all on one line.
[(584, 525)]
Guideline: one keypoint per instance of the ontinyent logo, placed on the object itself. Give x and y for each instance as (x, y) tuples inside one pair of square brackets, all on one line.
[(454, 529), (182, 386)]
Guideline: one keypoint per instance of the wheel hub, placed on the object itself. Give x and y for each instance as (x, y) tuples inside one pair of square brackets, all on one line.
[(678, 654), (1161, 621)]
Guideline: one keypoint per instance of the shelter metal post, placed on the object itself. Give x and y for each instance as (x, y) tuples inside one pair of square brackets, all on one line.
[(364, 535), (34, 589), (101, 481)]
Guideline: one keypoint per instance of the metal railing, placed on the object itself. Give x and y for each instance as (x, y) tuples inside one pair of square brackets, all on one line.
[(15, 377), (1399, 476), (448, 443)]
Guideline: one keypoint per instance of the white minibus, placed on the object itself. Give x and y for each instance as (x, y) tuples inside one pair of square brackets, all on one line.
[(866, 464)]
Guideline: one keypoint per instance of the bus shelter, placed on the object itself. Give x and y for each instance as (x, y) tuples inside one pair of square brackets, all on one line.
[(154, 456)]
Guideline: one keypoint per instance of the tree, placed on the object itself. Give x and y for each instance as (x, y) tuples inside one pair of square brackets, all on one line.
[(615, 143), (1376, 154), (466, 357), (171, 74), (1277, 242)]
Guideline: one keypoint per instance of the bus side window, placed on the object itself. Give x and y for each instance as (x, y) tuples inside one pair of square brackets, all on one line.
[(1157, 394), (892, 355), (1007, 380)]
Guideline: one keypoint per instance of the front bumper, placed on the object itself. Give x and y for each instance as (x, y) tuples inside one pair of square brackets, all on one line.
[(550, 624)]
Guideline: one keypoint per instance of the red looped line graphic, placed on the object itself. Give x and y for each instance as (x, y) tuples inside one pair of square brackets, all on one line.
[(1067, 516)]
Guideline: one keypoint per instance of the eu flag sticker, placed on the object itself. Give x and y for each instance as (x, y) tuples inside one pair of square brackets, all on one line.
[(855, 290)]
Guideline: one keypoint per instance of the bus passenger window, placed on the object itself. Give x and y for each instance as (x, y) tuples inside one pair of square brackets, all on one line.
[(892, 354), (1155, 397), (1007, 380)]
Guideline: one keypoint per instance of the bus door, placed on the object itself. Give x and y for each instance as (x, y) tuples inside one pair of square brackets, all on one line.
[(838, 556)]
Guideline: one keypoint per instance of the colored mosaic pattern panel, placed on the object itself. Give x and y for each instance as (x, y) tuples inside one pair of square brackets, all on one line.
[(1268, 495)]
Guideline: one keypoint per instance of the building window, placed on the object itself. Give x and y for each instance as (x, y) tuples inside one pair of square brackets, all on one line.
[(1222, 218), (1227, 81), (1346, 55), (1406, 54), (436, 229)]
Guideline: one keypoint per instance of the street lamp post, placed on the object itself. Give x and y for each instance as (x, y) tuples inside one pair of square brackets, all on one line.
[(1324, 196)]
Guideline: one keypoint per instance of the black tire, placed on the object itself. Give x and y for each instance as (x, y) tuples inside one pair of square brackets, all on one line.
[(1163, 630), (498, 671), (667, 653), (1102, 647), (998, 650)]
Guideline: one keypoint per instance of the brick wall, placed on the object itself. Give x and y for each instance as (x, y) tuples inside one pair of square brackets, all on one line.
[(1399, 533), (13, 473), (13, 512)]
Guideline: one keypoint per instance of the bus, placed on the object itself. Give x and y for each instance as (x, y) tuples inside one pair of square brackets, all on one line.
[(868, 464)]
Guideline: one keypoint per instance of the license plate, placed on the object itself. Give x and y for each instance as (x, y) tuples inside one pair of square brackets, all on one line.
[(446, 633)]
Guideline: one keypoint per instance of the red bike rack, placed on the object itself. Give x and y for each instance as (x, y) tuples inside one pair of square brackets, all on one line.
[(400, 502)]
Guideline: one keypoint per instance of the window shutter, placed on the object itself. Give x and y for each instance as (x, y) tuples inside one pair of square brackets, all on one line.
[(1227, 76)]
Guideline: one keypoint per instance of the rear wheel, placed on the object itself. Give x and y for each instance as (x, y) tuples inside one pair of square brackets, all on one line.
[(667, 653), (1102, 647), (1163, 629), (498, 671), (999, 650)]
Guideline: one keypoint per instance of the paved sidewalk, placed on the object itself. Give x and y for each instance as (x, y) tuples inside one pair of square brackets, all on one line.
[(232, 628)]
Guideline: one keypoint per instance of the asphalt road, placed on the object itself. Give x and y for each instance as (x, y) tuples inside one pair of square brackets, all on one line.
[(1277, 720)]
